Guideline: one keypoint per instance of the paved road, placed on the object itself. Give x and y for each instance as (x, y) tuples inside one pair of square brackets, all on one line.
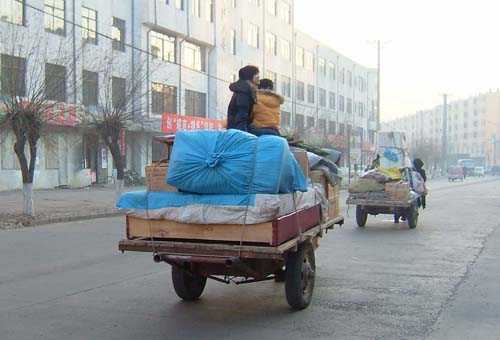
[(440, 281)]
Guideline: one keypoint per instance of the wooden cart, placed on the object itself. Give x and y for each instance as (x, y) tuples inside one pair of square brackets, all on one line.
[(279, 250), (406, 209)]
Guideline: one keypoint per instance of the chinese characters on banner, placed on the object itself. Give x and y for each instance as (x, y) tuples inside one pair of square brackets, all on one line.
[(172, 123), (60, 114)]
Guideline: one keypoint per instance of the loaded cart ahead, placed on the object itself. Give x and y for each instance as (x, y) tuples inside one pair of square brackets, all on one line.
[(232, 237), (391, 186)]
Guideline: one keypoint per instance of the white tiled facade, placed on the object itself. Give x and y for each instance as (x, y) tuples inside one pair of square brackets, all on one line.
[(337, 92)]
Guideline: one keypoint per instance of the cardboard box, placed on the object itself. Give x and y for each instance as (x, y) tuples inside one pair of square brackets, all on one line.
[(318, 176), (333, 201), (156, 178), (398, 191), (301, 157)]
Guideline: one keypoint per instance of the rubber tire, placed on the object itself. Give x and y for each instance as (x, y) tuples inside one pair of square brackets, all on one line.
[(187, 287), (361, 217), (412, 217), (299, 293)]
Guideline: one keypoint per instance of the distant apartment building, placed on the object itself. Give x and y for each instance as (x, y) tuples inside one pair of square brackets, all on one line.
[(191, 51), (473, 127)]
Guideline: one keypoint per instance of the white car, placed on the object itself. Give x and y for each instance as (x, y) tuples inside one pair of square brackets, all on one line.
[(479, 171)]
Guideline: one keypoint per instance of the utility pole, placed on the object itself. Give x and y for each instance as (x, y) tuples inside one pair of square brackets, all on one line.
[(378, 85), (444, 146)]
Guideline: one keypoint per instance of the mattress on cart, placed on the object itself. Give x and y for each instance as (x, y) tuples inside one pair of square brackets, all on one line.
[(218, 209)]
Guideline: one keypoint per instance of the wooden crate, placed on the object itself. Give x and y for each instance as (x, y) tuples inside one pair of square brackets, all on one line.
[(272, 233), (156, 178)]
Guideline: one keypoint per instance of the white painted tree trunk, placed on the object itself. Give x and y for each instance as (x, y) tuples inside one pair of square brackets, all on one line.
[(119, 187), (28, 199)]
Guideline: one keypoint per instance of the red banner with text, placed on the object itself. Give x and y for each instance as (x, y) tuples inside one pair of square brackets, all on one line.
[(172, 123)]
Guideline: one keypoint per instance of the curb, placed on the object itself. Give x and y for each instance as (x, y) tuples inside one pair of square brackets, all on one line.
[(13, 224)]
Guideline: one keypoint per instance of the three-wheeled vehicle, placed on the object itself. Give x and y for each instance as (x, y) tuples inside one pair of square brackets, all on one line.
[(279, 250)]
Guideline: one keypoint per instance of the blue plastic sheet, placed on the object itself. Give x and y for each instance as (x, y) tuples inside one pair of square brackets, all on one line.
[(158, 200), (227, 162)]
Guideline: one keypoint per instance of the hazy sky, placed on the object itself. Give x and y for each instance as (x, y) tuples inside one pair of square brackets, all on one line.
[(434, 46)]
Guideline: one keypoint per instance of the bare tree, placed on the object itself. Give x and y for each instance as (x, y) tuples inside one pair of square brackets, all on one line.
[(121, 99), (25, 94)]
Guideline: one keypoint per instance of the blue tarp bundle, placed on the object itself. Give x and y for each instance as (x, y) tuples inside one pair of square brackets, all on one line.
[(224, 162)]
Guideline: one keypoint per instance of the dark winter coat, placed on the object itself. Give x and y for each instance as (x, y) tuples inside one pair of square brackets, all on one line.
[(418, 164), (239, 111)]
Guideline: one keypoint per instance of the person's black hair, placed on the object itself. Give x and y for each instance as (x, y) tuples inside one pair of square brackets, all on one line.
[(266, 84), (248, 72), (418, 163)]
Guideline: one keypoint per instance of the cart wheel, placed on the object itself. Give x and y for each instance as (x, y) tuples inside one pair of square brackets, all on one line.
[(299, 276), (188, 287), (412, 216), (361, 216)]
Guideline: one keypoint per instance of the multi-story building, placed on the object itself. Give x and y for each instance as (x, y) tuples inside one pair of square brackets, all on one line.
[(473, 127), (190, 51)]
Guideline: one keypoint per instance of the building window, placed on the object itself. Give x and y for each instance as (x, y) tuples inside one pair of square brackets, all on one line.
[(164, 98), (349, 105), (285, 86), (118, 34), (12, 75), (89, 88), (342, 76), (55, 82), (232, 42), (12, 11), (253, 36), (54, 16), (331, 71), (322, 66), (332, 128), (118, 92), (341, 104), (195, 103), (254, 2), (309, 61), (286, 51), (233, 3), (331, 101), (194, 56), (286, 12), (179, 4), (271, 44), (322, 97), (299, 123), (310, 122), (210, 11), (322, 126), (300, 90), (285, 119), (299, 56), (341, 129), (196, 8), (162, 46), (89, 25), (272, 76), (310, 94), (272, 7), (349, 78)]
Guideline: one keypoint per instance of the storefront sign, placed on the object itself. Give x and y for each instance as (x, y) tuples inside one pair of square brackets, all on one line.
[(60, 114), (172, 123)]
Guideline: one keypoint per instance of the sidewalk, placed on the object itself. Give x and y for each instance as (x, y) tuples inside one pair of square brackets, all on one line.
[(59, 205)]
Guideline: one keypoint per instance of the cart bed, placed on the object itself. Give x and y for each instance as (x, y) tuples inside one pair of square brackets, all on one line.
[(195, 247)]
